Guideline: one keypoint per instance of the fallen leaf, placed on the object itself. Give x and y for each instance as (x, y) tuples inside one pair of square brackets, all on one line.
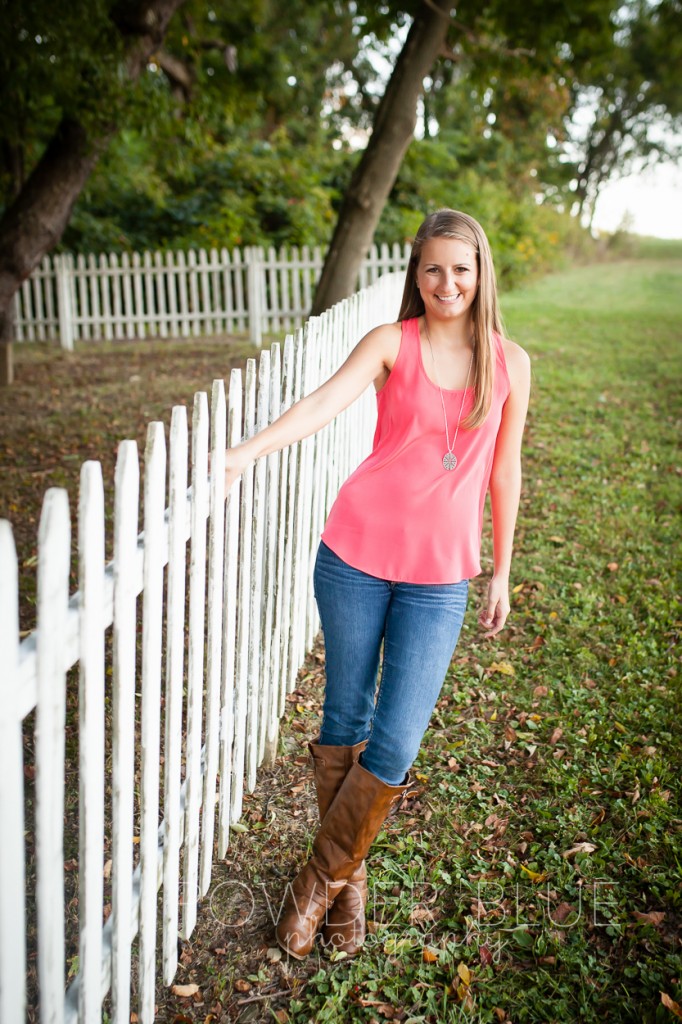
[(421, 914), (560, 913), (242, 985), (540, 691), (106, 871), (184, 990), (671, 1005), (464, 973), (392, 946), (556, 735), (650, 917), (578, 848), (428, 956), (386, 1010), (505, 668), (534, 876), (485, 956)]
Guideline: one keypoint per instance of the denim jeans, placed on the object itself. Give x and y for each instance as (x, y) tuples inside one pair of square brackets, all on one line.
[(419, 625)]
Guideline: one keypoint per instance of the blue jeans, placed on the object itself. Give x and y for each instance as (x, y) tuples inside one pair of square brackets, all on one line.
[(419, 625)]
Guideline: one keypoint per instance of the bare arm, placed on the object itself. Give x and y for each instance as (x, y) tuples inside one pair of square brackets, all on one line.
[(505, 489), (370, 358)]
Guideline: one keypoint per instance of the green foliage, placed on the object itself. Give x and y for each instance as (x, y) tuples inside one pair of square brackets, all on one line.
[(56, 60), (526, 237), (258, 192), (238, 132)]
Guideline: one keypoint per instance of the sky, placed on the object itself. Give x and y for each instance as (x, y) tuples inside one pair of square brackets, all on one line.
[(653, 199)]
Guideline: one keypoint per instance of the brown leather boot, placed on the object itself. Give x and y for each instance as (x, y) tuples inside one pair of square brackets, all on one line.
[(344, 926), (346, 834)]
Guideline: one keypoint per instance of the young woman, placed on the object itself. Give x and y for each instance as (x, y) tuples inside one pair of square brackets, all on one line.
[(400, 544)]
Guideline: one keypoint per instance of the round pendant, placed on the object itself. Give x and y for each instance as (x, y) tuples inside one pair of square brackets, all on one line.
[(449, 461)]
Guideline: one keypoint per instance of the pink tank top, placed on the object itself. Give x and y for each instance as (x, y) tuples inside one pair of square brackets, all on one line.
[(401, 516)]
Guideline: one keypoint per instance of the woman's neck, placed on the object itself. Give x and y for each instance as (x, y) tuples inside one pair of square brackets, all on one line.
[(452, 334)]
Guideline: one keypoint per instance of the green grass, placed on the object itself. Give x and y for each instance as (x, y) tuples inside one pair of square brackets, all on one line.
[(581, 744)]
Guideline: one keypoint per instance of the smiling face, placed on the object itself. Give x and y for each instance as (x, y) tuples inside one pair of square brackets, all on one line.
[(447, 278)]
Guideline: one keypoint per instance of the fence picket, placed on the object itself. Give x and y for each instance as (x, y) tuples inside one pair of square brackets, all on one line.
[(171, 288), (269, 640), (54, 547), (216, 557), (12, 872), (195, 663), (175, 654), (81, 286), (293, 518), (193, 322), (227, 699), (244, 685), (91, 747), (256, 577), (154, 495), (127, 485), (181, 284), (38, 312), (283, 606)]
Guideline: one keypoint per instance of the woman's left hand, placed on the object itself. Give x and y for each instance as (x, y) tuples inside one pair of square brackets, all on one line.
[(493, 617)]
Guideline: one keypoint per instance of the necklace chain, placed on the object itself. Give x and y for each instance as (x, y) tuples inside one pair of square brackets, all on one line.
[(449, 459)]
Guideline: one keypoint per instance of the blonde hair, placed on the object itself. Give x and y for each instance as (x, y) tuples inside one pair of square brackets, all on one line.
[(485, 312)]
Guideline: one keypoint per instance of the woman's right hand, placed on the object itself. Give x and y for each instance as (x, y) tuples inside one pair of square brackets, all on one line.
[(236, 461)]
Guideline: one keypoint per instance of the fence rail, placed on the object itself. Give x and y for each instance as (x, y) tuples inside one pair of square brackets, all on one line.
[(177, 294), (210, 698)]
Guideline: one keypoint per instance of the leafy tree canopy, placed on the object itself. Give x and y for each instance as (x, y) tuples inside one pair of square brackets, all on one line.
[(244, 128)]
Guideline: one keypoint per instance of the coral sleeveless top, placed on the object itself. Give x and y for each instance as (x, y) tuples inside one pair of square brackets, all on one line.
[(401, 516)]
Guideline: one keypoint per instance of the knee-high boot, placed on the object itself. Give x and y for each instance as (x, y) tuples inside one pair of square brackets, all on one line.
[(344, 926), (349, 828)]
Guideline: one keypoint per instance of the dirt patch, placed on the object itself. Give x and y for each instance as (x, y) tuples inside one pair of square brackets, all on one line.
[(68, 407)]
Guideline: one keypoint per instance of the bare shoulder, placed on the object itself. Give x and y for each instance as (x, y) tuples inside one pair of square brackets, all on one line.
[(386, 333), (517, 360), (385, 340)]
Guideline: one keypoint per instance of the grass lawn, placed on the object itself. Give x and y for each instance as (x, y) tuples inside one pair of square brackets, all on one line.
[(534, 874)]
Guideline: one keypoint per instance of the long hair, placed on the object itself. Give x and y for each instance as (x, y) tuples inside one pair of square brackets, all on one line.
[(485, 312)]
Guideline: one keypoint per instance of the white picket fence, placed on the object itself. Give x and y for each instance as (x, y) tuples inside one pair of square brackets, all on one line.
[(178, 294), (251, 618)]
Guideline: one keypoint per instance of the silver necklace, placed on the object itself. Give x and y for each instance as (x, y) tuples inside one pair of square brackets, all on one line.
[(449, 459)]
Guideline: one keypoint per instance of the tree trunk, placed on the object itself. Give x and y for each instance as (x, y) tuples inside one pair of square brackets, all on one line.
[(378, 168), (35, 221)]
